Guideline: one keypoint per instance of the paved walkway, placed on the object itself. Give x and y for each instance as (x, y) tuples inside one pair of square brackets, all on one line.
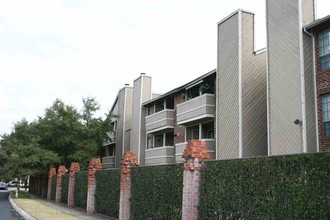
[(36, 208)]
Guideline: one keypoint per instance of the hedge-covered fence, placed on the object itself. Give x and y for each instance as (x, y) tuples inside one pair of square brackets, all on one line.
[(157, 192), (53, 193), (80, 189), (107, 192), (279, 187), (65, 188)]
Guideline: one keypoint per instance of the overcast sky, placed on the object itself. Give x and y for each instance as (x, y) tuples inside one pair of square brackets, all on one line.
[(72, 49)]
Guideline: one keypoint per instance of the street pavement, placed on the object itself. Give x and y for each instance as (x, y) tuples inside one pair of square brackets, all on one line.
[(6, 210)]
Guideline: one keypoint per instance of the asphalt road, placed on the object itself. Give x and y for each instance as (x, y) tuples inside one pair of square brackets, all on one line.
[(6, 211)]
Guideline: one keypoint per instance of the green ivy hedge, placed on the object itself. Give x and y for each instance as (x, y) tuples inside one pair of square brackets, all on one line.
[(157, 192), (65, 188), (53, 194), (107, 192), (279, 187), (80, 189)]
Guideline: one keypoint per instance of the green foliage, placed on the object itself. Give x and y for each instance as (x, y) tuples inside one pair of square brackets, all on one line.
[(157, 192), (53, 192), (65, 188), (80, 189), (107, 192), (62, 135), (283, 187), (21, 154)]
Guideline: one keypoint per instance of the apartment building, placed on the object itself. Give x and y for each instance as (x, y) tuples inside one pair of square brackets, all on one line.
[(241, 110), (180, 115), (272, 101), (126, 122), (319, 33), (290, 78)]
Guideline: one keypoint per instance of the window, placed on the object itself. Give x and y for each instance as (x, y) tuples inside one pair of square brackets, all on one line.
[(149, 142), (159, 141), (324, 49), (326, 114), (208, 130), (169, 139), (192, 133), (112, 150), (192, 92), (160, 106), (151, 109)]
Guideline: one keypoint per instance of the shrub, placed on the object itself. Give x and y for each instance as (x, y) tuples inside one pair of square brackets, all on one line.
[(279, 187), (65, 188), (107, 192), (80, 189), (157, 192)]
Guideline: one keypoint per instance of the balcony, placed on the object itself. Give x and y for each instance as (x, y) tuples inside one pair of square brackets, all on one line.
[(160, 120), (179, 148), (200, 107), (159, 155), (108, 162), (112, 137)]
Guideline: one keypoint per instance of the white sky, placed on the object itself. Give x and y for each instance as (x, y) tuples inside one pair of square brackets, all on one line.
[(72, 49)]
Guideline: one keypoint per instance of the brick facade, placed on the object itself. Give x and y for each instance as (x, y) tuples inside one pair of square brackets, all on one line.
[(179, 132), (94, 165), (322, 88)]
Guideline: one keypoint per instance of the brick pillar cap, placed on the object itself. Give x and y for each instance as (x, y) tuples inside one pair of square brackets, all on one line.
[(75, 167), (62, 169), (94, 165), (52, 171), (129, 159), (196, 149)]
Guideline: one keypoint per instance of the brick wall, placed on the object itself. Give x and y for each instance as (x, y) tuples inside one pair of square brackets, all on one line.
[(322, 88), (178, 129)]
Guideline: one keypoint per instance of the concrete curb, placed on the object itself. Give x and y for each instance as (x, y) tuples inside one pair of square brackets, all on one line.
[(18, 209)]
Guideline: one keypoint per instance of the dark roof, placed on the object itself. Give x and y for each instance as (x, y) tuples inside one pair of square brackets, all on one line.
[(315, 25), (181, 87)]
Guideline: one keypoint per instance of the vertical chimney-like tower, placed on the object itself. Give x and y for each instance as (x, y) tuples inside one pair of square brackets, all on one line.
[(290, 80)]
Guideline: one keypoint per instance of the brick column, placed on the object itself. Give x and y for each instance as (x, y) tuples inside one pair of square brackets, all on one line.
[(51, 173), (73, 169), (61, 171), (194, 153), (94, 165), (129, 160)]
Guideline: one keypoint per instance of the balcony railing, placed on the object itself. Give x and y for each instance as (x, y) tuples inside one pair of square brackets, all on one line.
[(179, 148), (160, 155), (108, 162), (160, 120), (195, 109)]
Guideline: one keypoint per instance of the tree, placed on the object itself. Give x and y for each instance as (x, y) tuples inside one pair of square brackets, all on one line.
[(61, 136), (20, 154)]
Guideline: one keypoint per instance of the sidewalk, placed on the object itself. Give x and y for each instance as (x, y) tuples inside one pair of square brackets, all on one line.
[(36, 208)]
